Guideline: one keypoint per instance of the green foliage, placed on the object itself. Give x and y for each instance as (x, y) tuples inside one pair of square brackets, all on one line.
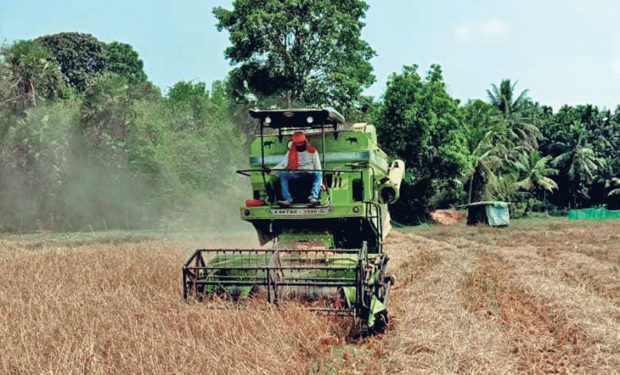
[(615, 185), (34, 155), (30, 75), (503, 140), (520, 129), (122, 59), (420, 123), (479, 118), (304, 50), (575, 164), (579, 164), (533, 172), (81, 57), (585, 128), (502, 98), (86, 142), (487, 159), (120, 157), (183, 91), (106, 112)]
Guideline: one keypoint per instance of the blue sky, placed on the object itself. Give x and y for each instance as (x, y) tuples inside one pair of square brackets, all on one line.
[(563, 51)]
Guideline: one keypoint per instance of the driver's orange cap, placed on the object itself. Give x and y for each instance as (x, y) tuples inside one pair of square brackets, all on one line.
[(299, 137)]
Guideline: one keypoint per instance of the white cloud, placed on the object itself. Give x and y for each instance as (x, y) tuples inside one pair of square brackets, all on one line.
[(463, 33), (488, 29), (494, 27)]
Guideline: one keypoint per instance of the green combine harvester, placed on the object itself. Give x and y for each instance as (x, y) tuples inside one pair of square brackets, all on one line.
[(328, 256)]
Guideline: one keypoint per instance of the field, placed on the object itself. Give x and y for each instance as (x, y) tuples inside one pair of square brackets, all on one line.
[(539, 297)]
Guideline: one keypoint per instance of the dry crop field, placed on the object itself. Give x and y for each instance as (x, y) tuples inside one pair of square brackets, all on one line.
[(542, 296)]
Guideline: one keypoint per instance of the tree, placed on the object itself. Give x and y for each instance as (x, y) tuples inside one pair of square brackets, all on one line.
[(614, 194), (124, 60), (492, 146), (117, 155), (420, 123), (34, 159), (184, 91), (502, 98), (500, 134), (32, 73), (615, 184), (517, 114), (579, 165), (534, 172), (479, 118), (81, 57), (305, 50), (486, 163)]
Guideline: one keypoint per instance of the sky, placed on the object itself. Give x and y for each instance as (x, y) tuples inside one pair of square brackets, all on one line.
[(563, 51)]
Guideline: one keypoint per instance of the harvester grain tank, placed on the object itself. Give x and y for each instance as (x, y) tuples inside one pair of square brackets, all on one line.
[(330, 256)]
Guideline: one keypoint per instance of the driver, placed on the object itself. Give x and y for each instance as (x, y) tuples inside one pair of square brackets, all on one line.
[(303, 162)]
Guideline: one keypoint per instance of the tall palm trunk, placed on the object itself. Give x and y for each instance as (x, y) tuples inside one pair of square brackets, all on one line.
[(32, 95)]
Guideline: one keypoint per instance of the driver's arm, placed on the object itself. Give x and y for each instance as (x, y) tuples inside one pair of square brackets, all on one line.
[(283, 164), (316, 161)]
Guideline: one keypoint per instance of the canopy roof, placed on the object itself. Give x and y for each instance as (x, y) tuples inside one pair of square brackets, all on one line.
[(297, 117)]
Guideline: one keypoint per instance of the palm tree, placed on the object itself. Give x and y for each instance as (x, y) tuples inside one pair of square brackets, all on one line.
[(579, 163), (519, 126), (33, 71), (615, 182), (534, 172), (502, 98), (487, 160)]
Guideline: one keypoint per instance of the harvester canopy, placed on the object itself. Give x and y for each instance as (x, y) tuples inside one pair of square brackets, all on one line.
[(298, 118)]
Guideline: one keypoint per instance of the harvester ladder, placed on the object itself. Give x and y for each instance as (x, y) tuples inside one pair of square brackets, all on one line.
[(375, 221)]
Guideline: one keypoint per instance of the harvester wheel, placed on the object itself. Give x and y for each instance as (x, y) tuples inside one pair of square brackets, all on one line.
[(381, 322)]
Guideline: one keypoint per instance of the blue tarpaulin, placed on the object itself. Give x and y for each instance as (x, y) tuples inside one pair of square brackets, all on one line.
[(498, 214), (493, 213)]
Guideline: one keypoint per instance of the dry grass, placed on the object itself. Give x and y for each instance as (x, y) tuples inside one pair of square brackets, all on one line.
[(548, 286), (116, 309), (541, 296), (544, 345)]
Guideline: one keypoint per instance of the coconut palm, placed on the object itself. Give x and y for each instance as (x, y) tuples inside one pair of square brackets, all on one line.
[(578, 162), (534, 171), (487, 160), (520, 127), (615, 182), (523, 132), (502, 98)]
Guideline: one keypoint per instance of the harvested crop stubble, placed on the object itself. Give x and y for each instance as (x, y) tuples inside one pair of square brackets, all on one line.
[(434, 333), (563, 325), (116, 309), (536, 297), (545, 345)]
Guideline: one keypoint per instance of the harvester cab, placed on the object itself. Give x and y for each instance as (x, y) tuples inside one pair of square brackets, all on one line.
[(329, 257)]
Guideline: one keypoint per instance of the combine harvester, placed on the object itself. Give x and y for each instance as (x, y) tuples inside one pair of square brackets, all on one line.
[(329, 257)]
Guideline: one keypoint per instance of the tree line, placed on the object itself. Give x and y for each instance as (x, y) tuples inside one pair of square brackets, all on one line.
[(507, 148), (87, 141)]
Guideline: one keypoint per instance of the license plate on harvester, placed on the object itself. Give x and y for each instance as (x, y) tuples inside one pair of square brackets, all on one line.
[(299, 211)]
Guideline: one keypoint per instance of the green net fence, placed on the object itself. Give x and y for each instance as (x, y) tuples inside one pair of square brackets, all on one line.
[(593, 213)]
